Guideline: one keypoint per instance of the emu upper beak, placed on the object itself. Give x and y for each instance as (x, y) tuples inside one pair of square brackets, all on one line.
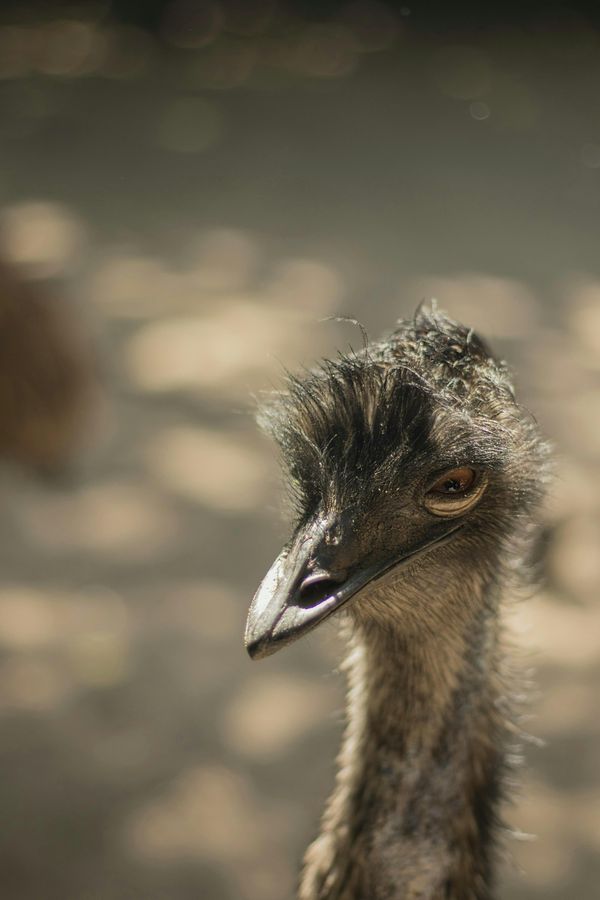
[(298, 591)]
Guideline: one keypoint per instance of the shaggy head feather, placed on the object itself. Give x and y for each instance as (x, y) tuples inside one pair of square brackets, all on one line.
[(429, 397)]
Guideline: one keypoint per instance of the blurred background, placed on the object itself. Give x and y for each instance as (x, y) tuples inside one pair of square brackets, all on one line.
[(187, 189)]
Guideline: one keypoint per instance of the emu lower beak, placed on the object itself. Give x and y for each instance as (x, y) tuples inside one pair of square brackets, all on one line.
[(298, 593)]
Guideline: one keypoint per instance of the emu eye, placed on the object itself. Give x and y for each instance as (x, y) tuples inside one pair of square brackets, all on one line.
[(455, 492)]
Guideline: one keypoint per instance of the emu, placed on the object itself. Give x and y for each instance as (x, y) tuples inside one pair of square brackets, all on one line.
[(416, 477)]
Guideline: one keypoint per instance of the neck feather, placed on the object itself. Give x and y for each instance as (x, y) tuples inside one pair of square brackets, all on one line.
[(413, 813)]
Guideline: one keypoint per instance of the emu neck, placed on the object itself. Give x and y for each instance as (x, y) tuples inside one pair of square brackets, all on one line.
[(413, 812)]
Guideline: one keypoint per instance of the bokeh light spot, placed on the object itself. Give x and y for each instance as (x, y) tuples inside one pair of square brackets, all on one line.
[(27, 618), (34, 685), (70, 48), (305, 284), (271, 713), (208, 812), (46, 238), (207, 467), (100, 658), (503, 307), (112, 520)]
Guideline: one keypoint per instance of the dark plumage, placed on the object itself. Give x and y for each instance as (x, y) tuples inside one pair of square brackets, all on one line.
[(415, 477)]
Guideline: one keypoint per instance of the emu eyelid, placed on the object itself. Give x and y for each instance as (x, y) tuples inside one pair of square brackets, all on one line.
[(450, 505)]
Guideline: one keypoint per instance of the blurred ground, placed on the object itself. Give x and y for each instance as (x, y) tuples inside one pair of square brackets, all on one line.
[(205, 201)]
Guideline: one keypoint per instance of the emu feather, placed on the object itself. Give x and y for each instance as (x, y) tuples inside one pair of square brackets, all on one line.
[(415, 478)]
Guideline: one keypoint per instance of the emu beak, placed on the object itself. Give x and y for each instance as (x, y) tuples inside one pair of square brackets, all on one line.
[(294, 596), (298, 592)]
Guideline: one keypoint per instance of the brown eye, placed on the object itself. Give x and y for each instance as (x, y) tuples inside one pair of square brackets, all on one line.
[(455, 492), (456, 481)]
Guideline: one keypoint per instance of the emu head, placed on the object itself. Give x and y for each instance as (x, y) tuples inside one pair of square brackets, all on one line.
[(412, 469)]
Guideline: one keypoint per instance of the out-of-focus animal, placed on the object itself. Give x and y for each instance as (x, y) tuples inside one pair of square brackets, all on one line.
[(48, 384)]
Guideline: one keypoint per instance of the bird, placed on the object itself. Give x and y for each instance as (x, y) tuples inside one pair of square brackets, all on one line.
[(416, 479)]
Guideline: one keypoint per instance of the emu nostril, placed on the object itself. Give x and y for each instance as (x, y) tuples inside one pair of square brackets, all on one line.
[(318, 586)]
